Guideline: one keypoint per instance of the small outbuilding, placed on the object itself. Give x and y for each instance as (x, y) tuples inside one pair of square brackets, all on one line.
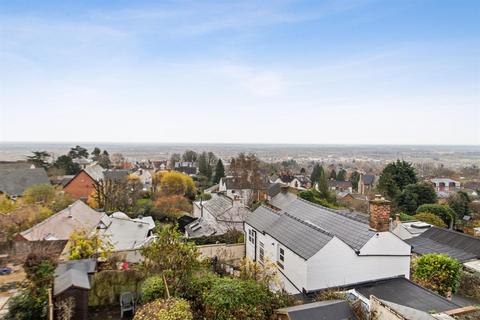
[(72, 284)]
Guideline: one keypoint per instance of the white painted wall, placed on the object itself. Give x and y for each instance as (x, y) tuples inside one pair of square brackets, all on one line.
[(337, 265), (385, 243), (295, 267)]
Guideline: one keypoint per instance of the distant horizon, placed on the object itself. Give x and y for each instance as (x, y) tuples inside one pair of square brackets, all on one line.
[(73, 143)]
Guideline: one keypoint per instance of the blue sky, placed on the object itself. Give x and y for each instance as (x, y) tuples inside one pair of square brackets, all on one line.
[(348, 72)]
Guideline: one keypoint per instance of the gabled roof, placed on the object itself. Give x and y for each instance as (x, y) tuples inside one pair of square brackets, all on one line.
[(60, 225), (73, 274), (403, 291), (95, 172), (299, 236), (71, 278), (455, 244), (322, 310), (305, 227), (125, 233), (223, 209), (14, 180), (84, 265)]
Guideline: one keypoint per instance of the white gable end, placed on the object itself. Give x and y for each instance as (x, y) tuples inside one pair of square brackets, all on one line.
[(385, 243), (337, 264)]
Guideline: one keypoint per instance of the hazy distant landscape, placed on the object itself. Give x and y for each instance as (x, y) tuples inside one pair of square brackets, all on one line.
[(452, 156)]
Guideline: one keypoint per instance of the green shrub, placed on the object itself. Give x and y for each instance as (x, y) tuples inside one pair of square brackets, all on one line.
[(28, 306), (314, 196), (443, 211), (160, 309), (437, 272), (406, 217), (31, 303), (153, 288), (43, 193), (195, 290), (230, 299), (431, 219)]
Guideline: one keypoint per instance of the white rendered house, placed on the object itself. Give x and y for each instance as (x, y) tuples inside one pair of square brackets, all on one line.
[(316, 248)]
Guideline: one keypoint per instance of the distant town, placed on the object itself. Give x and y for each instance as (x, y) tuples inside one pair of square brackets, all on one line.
[(239, 232)]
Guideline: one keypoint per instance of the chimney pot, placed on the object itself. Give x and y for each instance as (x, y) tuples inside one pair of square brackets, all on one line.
[(397, 218)]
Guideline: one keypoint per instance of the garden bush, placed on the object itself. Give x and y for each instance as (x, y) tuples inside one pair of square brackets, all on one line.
[(437, 272), (406, 217), (169, 309), (443, 211), (230, 299), (152, 288), (431, 219)]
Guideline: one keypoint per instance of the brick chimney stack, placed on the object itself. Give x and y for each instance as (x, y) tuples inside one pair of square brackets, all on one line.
[(379, 209)]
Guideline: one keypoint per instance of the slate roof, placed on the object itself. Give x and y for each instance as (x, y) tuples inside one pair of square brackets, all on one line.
[(124, 233), (14, 180), (71, 278), (223, 214), (406, 293), (73, 274), (95, 172), (60, 225), (84, 265), (223, 209), (202, 228), (455, 244), (322, 310), (274, 189), (352, 232), (283, 199), (232, 183), (305, 228), (302, 238), (115, 175), (345, 227)]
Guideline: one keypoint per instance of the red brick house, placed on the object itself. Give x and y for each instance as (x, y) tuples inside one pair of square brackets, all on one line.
[(82, 185)]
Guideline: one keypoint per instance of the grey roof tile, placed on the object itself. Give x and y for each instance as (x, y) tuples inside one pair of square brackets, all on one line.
[(352, 232), (71, 278), (455, 244), (15, 180), (283, 199), (305, 227)]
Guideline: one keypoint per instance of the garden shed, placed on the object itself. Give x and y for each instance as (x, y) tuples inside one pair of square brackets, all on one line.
[(71, 286)]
